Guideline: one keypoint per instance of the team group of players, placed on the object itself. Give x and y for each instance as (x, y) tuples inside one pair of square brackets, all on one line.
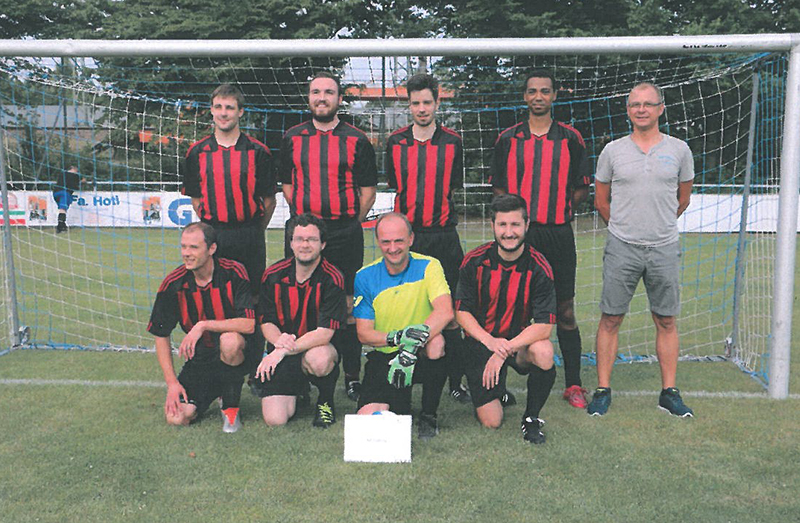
[(319, 305)]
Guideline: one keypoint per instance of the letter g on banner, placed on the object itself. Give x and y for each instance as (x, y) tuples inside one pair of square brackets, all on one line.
[(180, 211)]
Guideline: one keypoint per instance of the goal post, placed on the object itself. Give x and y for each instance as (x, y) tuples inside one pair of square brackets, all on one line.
[(722, 133)]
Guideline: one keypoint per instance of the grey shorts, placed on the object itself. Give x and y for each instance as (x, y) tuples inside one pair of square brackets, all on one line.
[(624, 264)]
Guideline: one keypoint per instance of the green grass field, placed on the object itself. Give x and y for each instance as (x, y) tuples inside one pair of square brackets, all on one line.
[(82, 436)]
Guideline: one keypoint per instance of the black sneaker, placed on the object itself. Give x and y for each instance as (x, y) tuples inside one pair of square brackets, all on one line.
[(532, 430), (671, 401), (461, 394), (427, 426), (508, 399), (353, 390), (61, 227), (324, 417), (601, 400)]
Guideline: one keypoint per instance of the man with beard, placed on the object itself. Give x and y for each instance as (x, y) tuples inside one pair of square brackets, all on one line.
[(545, 162), (302, 303), (506, 304), (327, 169)]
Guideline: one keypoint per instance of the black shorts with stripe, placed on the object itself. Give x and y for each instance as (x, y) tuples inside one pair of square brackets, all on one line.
[(376, 387), (202, 382), (444, 245), (288, 379), (557, 244), (245, 243), (475, 357)]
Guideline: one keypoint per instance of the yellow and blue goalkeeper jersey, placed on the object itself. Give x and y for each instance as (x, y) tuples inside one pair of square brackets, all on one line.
[(397, 301)]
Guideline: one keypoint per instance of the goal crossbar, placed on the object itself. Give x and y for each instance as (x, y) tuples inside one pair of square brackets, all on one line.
[(784, 263)]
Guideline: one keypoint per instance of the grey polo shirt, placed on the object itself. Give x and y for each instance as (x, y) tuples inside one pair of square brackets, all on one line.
[(644, 188)]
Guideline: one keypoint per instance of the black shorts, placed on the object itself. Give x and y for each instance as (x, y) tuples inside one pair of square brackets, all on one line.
[(445, 246), (287, 380), (245, 243), (344, 247), (376, 387), (557, 244), (475, 357), (203, 383)]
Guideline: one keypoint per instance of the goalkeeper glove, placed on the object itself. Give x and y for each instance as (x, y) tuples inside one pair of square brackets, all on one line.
[(401, 368), (412, 336)]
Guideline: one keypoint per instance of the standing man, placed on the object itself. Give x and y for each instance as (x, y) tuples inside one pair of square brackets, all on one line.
[(402, 304), (545, 162), (229, 177), (507, 306), (302, 304), (67, 184), (424, 164), (212, 300), (650, 175), (327, 168)]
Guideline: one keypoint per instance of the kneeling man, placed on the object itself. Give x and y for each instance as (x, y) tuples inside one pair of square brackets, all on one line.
[(506, 304), (302, 302), (211, 299), (402, 303)]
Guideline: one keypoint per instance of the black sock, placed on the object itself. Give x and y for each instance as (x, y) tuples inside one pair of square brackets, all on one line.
[(570, 343), (540, 383), (232, 378), (349, 349), (454, 354), (326, 385), (433, 379), (62, 217)]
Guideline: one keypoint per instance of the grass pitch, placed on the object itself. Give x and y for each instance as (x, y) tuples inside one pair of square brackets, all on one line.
[(82, 437)]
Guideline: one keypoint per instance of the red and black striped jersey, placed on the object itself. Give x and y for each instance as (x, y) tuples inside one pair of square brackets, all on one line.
[(326, 169), (230, 181), (297, 308), (424, 175), (544, 170), (506, 297), (181, 301)]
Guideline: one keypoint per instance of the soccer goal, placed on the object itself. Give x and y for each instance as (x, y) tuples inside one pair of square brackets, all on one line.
[(125, 113)]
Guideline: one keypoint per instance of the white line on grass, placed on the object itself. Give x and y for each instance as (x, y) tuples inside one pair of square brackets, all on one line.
[(159, 384)]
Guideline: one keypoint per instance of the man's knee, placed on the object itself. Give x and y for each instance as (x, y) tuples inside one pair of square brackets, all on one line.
[(540, 353), (490, 415), (610, 324), (665, 323), (319, 361), (231, 348), (277, 411), (435, 348)]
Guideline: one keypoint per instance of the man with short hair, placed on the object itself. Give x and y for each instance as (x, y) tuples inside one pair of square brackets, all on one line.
[(211, 299), (424, 165), (545, 162), (650, 175), (302, 304), (228, 176), (327, 168), (402, 303), (506, 305)]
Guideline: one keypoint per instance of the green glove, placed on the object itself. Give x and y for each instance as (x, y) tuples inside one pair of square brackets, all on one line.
[(401, 369), (412, 336)]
